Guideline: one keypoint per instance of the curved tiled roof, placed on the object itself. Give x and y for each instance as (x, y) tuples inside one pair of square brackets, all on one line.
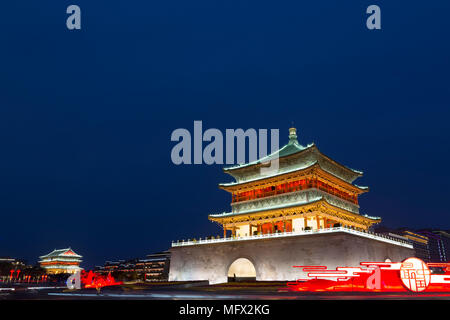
[(228, 214), (292, 147), (61, 252)]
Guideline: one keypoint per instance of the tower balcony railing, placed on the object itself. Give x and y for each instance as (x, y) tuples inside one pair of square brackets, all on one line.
[(365, 234)]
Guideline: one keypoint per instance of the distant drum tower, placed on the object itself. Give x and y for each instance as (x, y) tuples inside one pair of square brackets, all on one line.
[(305, 213)]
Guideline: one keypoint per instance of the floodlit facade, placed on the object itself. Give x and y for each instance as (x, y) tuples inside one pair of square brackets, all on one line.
[(308, 192)]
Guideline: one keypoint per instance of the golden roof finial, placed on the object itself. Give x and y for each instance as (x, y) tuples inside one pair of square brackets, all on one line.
[(292, 133)]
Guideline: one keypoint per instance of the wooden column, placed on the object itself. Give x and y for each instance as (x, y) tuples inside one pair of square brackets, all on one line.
[(305, 222), (224, 232), (317, 223)]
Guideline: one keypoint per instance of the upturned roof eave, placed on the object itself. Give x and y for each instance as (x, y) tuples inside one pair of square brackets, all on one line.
[(233, 184), (230, 214)]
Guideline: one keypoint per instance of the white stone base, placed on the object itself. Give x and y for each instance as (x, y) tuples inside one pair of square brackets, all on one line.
[(274, 258)]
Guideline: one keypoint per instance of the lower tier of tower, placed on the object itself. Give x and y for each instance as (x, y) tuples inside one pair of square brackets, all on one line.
[(272, 258)]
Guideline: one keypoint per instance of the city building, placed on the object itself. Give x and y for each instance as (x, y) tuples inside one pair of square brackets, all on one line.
[(438, 244), (61, 261), (304, 213), (420, 244), (7, 264), (155, 267), (110, 266), (12, 262)]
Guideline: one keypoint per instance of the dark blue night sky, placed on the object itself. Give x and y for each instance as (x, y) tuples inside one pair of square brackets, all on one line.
[(86, 116)]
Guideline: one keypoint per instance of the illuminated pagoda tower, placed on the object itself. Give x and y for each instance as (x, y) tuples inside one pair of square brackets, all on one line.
[(304, 213), (309, 191), (61, 261)]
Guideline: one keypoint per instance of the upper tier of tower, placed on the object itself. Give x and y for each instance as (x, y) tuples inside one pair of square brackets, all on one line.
[(292, 157)]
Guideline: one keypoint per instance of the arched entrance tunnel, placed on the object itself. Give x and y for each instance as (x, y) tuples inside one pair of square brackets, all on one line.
[(241, 269)]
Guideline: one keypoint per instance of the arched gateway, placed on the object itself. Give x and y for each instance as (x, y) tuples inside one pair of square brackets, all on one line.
[(241, 269)]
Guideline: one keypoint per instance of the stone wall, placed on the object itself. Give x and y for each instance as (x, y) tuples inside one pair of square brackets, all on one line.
[(273, 258)]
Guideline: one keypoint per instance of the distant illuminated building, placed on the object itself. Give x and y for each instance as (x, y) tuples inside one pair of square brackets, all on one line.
[(420, 244), (438, 244), (15, 263), (153, 268), (61, 261), (156, 266), (419, 241)]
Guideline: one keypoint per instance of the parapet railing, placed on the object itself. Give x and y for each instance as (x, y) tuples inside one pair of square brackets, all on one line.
[(365, 234)]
